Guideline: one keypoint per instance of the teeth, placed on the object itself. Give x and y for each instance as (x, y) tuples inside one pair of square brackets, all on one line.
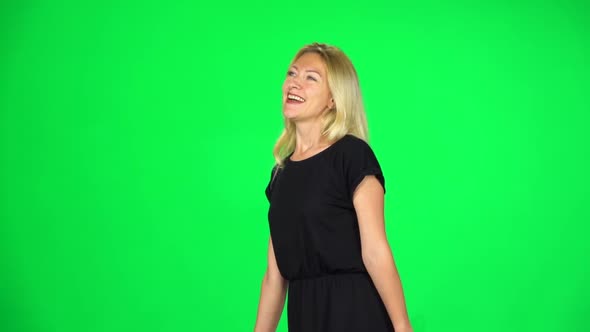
[(294, 97)]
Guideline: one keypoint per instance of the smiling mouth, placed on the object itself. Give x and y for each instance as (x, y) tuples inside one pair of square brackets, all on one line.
[(295, 98)]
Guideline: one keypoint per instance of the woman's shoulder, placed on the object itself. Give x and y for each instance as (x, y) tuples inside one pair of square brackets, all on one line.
[(350, 144), (353, 149), (358, 160)]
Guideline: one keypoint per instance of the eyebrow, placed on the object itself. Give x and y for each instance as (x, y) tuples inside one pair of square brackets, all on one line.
[(309, 70)]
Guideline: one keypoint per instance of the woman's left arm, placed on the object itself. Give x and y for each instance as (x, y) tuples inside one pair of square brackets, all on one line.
[(376, 253)]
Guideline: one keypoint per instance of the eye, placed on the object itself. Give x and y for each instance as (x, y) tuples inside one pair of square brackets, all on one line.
[(312, 78), (290, 73)]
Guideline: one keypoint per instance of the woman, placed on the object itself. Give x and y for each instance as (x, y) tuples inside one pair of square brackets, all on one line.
[(327, 245)]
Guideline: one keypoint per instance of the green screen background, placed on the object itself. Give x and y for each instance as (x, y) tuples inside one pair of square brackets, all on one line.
[(136, 138)]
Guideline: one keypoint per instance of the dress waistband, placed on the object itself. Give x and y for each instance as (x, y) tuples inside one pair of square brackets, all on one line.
[(329, 275)]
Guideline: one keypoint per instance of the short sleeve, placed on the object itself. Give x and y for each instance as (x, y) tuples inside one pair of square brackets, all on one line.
[(268, 190), (360, 161)]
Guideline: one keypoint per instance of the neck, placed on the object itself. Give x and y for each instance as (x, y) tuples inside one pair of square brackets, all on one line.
[(308, 136)]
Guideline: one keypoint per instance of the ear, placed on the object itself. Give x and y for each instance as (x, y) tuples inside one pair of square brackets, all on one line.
[(331, 103)]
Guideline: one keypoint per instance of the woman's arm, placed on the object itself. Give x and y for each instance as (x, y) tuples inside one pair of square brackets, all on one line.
[(377, 257), (272, 295)]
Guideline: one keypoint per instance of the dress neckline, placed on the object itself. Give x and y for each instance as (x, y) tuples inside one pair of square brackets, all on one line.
[(315, 155)]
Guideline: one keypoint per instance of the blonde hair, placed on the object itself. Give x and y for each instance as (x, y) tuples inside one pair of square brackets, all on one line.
[(348, 114)]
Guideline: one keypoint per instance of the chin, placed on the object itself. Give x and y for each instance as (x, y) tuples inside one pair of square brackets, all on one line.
[(289, 114)]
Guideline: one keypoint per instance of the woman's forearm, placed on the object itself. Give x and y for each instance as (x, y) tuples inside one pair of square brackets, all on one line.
[(272, 301), (383, 272)]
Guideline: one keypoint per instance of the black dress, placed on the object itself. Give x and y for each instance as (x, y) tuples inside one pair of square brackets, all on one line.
[(315, 235)]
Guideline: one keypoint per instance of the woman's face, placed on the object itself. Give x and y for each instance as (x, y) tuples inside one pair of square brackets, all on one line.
[(305, 92)]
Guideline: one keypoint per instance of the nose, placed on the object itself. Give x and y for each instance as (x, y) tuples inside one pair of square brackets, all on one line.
[(294, 83)]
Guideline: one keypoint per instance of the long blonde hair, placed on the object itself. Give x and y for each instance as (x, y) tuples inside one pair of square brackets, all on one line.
[(348, 114)]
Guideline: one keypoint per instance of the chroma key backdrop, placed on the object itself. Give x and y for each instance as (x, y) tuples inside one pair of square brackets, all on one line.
[(136, 139)]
